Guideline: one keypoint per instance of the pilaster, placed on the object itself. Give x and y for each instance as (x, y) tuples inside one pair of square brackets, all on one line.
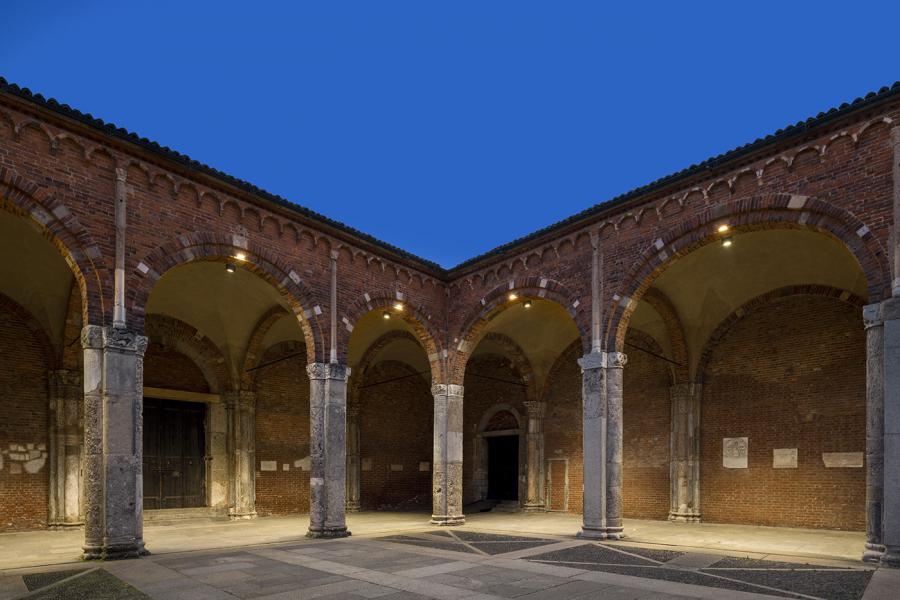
[(241, 407), (535, 456), (66, 396), (354, 465), (684, 468)]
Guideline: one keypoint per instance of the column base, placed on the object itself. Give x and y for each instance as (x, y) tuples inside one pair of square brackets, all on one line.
[(63, 526), (242, 516), (601, 533), (351, 507), (328, 533), (684, 517), (114, 551), (535, 507), (448, 520), (873, 552), (891, 556)]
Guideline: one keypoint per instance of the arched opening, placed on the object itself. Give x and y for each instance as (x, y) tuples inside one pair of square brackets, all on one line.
[(522, 410), (40, 379), (745, 385), (226, 395), (390, 414)]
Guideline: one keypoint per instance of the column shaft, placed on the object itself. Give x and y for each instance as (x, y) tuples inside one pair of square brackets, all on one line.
[(891, 432), (535, 455), (353, 458), (615, 361), (242, 431), (872, 315), (448, 449), (684, 470), (113, 432), (328, 452)]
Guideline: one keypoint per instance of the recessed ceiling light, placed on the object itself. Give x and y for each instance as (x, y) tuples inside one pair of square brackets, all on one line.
[(726, 242), (723, 228), (229, 267), (241, 256), (527, 304), (513, 295), (398, 306), (385, 315)]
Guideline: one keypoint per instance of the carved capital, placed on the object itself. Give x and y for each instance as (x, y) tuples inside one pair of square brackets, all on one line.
[(535, 409), (873, 315), (593, 360), (328, 371), (616, 360), (92, 337), (446, 389)]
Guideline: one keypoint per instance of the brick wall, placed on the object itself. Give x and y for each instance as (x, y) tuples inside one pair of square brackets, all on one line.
[(396, 421), (167, 368), (490, 380), (24, 480), (789, 375), (646, 430), (282, 433), (562, 426)]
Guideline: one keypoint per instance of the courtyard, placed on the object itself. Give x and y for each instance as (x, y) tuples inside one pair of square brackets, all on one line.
[(398, 555)]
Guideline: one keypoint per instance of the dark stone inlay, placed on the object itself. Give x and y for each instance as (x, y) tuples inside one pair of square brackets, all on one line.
[(474, 536), (651, 553), (414, 541), (592, 553), (504, 547), (691, 577), (98, 585), (441, 533), (34, 581), (847, 584), (736, 562)]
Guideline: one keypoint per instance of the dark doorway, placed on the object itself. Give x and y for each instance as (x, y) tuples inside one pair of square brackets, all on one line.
[(174, 454), (503, 467)]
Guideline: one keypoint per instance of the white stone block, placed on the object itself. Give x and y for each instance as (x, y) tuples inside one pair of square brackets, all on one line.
[(396, 467), (268, 465), (734, 452), (784, 458), (424, 466), (835, 460)]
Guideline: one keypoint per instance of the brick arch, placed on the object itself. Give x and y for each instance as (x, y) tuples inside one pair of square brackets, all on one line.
[(255, 351), (425, 333), (221, 248), (576, 347), (475, 325), (368, 358), (754, 213), (58, 224), (202, 351), (52, 354), (722, 329), (497, 409), (667, 311), (517, 357)]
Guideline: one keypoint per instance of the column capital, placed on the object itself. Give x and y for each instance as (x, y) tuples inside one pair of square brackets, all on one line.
[(873, 315), (96, 337), (328, 371), (446, 389), (535, 409), (599, 360)]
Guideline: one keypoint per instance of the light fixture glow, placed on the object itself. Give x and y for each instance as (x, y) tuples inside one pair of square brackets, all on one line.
[(527, 304), (241, 256), (513, 295), (229, 267), (398, 306), (385, 315), (723, 228), (726, 242)]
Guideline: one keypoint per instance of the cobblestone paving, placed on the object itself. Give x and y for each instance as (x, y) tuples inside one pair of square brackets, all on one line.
[(443, 564)]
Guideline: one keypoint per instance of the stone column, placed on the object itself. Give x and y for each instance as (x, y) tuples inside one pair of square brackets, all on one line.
[(353, 459), (890, 536), (872, 316), (328, 452), (446, 486), (535, 455), (594, 425), (615, 362), (602, 444), (684, 469), (241, 408), (113, 442), (66, 442)]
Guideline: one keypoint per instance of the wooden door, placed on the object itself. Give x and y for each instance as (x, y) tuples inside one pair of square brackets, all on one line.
[(174, 454)]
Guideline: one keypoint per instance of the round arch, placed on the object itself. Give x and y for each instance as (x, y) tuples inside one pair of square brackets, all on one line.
[(219, 248), (497, 300), (756, 213), (184, 339), (28, 200)]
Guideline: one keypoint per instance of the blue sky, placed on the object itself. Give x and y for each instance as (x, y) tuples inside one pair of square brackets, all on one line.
[(448, 128)]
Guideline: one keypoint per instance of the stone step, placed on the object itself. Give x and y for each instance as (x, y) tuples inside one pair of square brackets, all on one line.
[(508, 506), (172, 516)]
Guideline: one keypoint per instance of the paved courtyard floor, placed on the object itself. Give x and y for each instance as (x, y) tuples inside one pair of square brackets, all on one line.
[(398, 555)]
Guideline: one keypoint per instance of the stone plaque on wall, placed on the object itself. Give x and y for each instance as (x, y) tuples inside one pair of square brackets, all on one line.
[(734, 453), (268, 465), (784, 458), (842, 459), (367, 464)]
